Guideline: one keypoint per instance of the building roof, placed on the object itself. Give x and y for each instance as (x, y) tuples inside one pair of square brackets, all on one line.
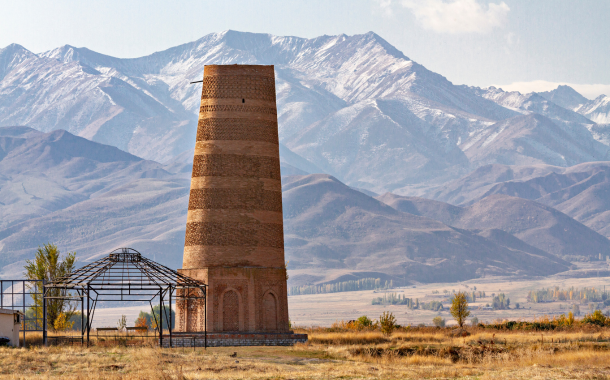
[(10, 311)]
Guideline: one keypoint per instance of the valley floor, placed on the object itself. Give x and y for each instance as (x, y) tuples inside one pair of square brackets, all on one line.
[(326, 309)]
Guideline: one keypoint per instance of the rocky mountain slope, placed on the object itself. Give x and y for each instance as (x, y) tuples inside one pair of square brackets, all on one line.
[(536, 224), (335, 232), (581, 191), (85, 197)]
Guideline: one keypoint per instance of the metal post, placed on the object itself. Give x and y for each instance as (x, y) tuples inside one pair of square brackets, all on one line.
[(88, 314), (23, 301), (170, 316), (44, 314), (82, 316), (205, 316), (160, 318)]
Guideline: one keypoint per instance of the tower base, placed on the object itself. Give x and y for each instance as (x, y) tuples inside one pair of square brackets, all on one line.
[(239, 300)]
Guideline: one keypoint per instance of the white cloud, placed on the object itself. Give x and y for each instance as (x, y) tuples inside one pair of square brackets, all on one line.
[(454, 16), (386, 7), (512, 39), (590, 91)]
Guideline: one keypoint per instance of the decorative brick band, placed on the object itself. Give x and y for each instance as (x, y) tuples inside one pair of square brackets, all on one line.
[(235, 70), (238, 102), (235, 199), (203, 110), (234, 234), (237, 129), (236, 165), (239, 86), (241, 147)]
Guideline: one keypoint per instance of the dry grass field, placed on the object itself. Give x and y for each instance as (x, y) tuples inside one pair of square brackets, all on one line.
[(581, 353), (336, 352)]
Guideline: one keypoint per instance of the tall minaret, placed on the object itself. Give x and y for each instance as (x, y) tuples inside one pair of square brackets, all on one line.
[(234, 231)]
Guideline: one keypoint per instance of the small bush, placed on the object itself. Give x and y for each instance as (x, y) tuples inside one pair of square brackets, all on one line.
[(141, 323), (62, 323), (365, 321), (387, 322), (439, 321), (596, 318)]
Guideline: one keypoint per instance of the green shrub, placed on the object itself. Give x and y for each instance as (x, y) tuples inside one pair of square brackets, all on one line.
[(365, 321), (387, 322), (596, 318), (439, 321)]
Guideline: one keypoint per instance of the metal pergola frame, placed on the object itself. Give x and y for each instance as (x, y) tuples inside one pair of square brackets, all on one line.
[(18, 300), (126, 275)]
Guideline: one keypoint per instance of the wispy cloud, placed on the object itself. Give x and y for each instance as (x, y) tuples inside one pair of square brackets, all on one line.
[(453, 16), (386, 7), (590, 91)]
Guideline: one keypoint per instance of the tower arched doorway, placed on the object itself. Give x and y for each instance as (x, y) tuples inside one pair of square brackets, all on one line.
[(230, 311), (269, 312)]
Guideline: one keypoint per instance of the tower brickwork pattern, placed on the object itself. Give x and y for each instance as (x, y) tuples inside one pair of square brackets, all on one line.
[(234, 233)]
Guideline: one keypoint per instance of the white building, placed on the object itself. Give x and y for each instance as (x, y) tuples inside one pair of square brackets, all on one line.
[(10, 324)]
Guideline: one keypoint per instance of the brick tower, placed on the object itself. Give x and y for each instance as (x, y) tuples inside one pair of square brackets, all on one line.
[(234, 231)]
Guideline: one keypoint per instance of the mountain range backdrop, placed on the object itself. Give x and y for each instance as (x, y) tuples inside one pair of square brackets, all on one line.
[(388, 169)]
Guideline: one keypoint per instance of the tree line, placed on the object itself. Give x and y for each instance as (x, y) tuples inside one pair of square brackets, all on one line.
[(570, 294), (344, 286)]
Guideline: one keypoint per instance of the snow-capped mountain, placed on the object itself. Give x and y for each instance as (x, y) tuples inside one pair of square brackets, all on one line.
[(353, 106), (565, 96), (598, 110)]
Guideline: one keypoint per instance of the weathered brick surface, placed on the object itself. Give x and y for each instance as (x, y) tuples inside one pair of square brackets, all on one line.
[(237, 129), (236, 165), (250, 148), (200, 256), (246, 199), (234, 236), (203, 110), (239, 86)]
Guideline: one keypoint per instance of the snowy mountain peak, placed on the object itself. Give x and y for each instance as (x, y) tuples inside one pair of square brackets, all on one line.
[(11, 56), (64, 53), (565, 96), (598, 110)]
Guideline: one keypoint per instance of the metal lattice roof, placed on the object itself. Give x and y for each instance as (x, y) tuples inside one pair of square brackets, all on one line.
[(125, 268)]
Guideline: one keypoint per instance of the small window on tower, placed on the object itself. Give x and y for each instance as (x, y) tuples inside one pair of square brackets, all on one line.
[(243, 100)]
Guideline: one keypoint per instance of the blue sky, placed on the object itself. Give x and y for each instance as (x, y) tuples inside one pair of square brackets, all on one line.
[(524, 45)]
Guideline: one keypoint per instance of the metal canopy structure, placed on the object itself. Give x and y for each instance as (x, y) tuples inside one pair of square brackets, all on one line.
[(126, 275)]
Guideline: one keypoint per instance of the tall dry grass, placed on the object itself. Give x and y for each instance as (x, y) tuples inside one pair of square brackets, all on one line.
[(410, 354)]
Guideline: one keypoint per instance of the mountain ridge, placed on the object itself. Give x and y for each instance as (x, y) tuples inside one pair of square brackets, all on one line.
[(93, 199)]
